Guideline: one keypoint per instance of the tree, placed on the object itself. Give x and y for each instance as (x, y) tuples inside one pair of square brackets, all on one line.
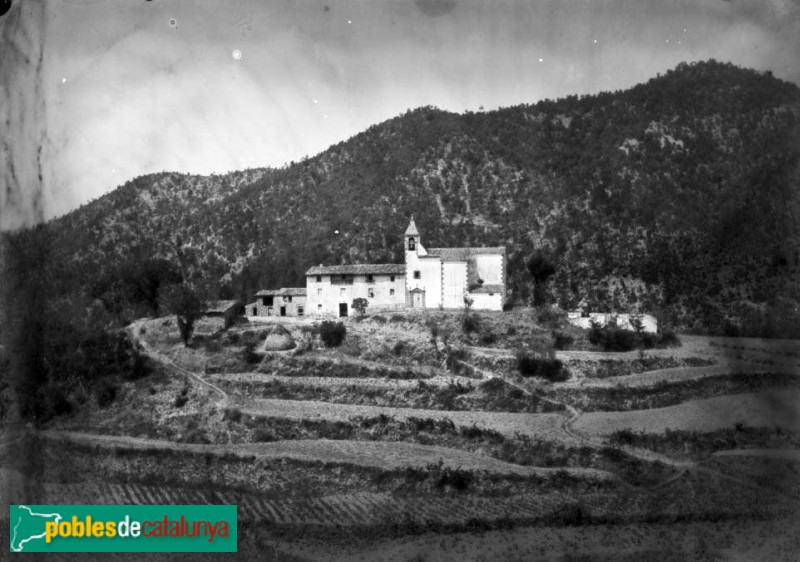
[(187, 306), (360, 305), (541, 269)]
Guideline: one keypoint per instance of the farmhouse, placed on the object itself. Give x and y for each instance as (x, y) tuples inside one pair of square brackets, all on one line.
[(430, 278), (331, 289), (286, 301)]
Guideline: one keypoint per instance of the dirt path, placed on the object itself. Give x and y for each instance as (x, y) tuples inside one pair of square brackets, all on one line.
[(164, 360)]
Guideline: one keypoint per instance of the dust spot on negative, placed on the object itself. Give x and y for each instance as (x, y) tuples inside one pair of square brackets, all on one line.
[(435, 8), (173, 23)]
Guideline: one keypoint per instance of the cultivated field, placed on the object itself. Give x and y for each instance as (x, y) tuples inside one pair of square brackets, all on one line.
[(403, 444)]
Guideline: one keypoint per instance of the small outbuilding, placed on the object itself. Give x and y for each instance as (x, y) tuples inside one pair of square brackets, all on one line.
[(229, 310), (286, 301)]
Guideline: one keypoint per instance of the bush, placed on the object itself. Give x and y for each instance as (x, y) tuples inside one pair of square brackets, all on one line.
[(611, 338), (332, 333), (508, 306), (378, 319), (182, 398), (398, 348), (262, 435), (562, 341), (470, 324), (547, 368), (250, 356), (488, 338), (105, 393), (232, 414)]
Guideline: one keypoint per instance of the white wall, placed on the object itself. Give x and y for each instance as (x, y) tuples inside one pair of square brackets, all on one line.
[(486, 301), (454, 275), (490, 268), (649, 323), (329, 295), (430, 279)]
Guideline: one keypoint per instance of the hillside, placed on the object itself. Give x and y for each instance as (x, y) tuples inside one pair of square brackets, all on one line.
[(679, 196)]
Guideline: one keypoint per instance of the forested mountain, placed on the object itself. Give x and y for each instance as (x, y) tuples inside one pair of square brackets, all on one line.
[(679, 196)]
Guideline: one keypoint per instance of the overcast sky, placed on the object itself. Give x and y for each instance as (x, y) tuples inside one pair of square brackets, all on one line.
[(128, 87)]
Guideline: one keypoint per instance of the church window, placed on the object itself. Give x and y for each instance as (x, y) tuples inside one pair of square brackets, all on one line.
[(319, 278), (417, 274), (391, 278), (411, 244), (371, 293), (391, 292)]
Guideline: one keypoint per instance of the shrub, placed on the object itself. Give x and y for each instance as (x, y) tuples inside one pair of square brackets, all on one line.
[(249, 354), (105, 393), (332, 333), (470, 324), (378, 319), (232, 414), (183, 397), (360, 305), (611, 338), (262, 435), (531, 366), (668, 338), (397, 318), (399, 347), (488, 338), (508, 306), (511, 331), (562, 341)]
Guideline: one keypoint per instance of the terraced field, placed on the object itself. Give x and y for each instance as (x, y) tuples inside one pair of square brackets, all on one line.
[(379, 484), (765, 409)]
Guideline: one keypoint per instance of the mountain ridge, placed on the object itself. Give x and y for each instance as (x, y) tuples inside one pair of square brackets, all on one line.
[(679, 194)]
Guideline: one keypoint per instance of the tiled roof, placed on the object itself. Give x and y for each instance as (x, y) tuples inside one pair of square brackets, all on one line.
[(283, 292), (463, 254), (359, 269), (488, 289)]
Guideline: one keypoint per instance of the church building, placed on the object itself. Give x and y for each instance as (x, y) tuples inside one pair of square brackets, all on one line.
[(431, 278), (444, 277)]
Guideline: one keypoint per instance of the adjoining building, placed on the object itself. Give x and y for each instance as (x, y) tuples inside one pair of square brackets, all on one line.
[(286, 301), (332, 289)]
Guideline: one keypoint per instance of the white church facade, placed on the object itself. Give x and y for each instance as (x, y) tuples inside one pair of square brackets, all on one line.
[(431, 278)]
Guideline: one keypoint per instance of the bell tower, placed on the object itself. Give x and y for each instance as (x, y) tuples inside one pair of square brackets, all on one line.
[(411, 239)]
